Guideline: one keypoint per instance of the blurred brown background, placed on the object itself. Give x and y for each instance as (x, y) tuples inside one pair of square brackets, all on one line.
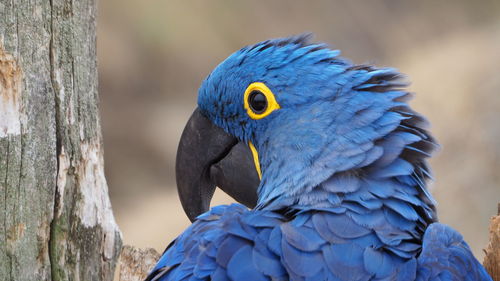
[(154, 54)]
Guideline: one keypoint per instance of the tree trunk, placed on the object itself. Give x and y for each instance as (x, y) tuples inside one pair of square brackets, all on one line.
[(492, 258), (56, 221)]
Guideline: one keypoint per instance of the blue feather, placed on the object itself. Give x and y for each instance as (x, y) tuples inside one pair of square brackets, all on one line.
[(378, 263), (344, 227), (303, 238), (227, 249), (392, 146), (402, 208), (381, 188), (342, 183), (407, 271), (274, 243), (344, 261), (356, 207), (398, 167), (369, 220), (205, 265), (241, 267), (220, 274), (236, 228), (343, 194), (299, 262), (268, 264), (398, 221), (321, 226), (371, 156)]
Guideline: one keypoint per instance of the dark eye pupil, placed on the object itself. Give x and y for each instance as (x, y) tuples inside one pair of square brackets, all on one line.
[(257, 101)]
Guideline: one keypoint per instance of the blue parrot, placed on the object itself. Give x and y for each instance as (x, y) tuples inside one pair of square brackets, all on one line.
[(331, 161)]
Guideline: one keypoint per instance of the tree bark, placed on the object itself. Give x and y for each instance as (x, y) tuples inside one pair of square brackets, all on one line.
[(56, 221), (135, 264), (492, 258)]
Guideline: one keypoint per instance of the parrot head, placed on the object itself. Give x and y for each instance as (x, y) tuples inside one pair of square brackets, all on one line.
[(277, 119)]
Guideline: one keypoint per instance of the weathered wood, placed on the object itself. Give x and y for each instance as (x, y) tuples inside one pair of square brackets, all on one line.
[(492, 258), (56, 221), (135, 264)]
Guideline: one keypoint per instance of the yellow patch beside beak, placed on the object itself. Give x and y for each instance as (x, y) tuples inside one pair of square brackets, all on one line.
[(255, 155)]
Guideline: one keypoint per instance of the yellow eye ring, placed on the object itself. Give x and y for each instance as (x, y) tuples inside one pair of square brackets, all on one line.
[(259, 101)]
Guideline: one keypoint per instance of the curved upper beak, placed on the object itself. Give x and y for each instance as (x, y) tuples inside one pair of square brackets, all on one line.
[(208, 157)]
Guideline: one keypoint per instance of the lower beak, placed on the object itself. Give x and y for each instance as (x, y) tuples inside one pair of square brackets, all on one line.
[(208, 157)]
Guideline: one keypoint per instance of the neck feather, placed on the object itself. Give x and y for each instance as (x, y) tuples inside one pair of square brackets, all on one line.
[(367, 160)]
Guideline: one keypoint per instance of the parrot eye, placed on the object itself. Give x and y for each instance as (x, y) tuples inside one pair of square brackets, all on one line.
[(259, 101)]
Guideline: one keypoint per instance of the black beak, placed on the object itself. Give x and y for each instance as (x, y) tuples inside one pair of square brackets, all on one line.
[(208, 157)]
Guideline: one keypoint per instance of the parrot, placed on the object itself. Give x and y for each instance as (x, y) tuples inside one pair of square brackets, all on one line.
[(328, 164)]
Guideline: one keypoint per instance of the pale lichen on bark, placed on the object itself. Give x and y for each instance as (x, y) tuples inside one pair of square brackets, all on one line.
[(10, 90), (95, 206)]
